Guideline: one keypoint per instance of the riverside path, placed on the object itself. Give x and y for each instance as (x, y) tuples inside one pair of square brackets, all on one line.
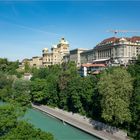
[(72, 120)]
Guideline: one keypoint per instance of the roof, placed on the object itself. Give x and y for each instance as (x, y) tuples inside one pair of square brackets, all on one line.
[(79, 49), (87, 51), (114, 39), (135, 38), (40, 58), (93, 65), (24, 60), (35, 57), (109, 41)]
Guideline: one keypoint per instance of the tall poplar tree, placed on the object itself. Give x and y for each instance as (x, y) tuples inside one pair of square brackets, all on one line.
[(115, 87)]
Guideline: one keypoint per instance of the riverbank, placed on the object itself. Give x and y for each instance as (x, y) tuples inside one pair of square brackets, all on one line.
[(80, 122)]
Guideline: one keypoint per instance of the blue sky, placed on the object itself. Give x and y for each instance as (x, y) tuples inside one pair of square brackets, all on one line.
[(28, 27)]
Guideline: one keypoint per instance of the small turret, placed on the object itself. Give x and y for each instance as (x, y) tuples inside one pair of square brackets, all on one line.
[(45, 50), (63, 41)]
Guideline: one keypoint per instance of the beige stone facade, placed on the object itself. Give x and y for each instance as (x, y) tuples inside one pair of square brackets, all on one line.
[(36, 62), (49, 58), (118, 50), (112, 50), (22, 64), (57, 53)]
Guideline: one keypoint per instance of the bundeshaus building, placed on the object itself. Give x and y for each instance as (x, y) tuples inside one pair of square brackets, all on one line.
[(120, 51)]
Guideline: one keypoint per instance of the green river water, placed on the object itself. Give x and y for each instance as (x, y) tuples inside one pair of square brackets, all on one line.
[(56, 127)]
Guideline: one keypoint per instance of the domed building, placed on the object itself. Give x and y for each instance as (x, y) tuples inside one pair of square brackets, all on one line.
[(57, 53)]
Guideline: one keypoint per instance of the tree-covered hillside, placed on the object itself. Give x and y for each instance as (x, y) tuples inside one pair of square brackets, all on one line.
[(112, 97)]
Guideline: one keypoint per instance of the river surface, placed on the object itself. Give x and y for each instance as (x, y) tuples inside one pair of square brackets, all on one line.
[(50, 124), (56, 127)]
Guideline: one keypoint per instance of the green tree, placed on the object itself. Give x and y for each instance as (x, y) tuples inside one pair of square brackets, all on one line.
[(74, 90), (87, 93), (41, 73), (5, 80), (38, 90), (27, 66), (63, 81), (134, 70), (80, 92), (12, 68), (9, 67), (96, 99), (5, 86), (68, 71), (44, 87), (70, 68), (21, 92), (26, 131), (8, 118), (115, 87), (3, 64), (52, 89), (12, 128), (135, 110)]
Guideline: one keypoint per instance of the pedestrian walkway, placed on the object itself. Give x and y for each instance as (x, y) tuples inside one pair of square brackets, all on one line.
[(79, 122)]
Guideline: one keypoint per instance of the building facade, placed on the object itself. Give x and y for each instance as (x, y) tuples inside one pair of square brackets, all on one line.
[(57, 53), (87, 56), (36, 61), (49, 58), (89, 68), (75, 55), (118, 50), (112, 51)]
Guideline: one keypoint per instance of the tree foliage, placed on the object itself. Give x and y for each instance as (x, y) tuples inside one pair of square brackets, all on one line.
[(21, 92), (27, 66), (12, 128), (38, 90), (9, 67), (26, 131), (134, 129), (8, 119), (14, 90), (112, 97), (62, 86), (115, 87)]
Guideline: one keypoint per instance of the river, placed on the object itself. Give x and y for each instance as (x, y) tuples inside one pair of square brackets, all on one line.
[(50, 124)]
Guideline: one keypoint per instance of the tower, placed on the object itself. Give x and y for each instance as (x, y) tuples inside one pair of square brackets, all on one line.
[(63, 46)]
